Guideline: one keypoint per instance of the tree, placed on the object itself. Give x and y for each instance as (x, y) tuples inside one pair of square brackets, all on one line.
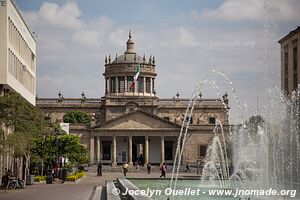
[(26, 123), (253, 123), (77, 117), (49, 148)]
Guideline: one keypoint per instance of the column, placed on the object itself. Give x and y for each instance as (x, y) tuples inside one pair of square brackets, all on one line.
[(92, 150), (151, 87), (98, 149), (146, 149), (162, 153), (125, 84), (114, 152), (130, 150)]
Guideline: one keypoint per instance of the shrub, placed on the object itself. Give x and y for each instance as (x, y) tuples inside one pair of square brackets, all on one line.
[(75, 176), (39, 178)]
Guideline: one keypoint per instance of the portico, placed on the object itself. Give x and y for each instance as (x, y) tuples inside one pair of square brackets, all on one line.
[(141, 143)]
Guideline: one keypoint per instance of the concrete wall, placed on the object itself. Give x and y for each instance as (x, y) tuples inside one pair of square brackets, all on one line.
[(26, 62)]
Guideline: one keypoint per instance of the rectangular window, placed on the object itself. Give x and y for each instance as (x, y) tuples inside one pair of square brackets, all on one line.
[(212, 120), (148, 85), (295, 65), (286, 69), (202, 151), (121, 84), (153, 85), (141, 84), (113, 85), (129, 82)]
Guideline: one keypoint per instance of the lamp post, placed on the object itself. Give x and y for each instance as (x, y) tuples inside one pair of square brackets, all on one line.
[(58, 164)]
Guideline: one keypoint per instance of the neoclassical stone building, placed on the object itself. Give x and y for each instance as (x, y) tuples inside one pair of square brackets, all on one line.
[(131, 123)]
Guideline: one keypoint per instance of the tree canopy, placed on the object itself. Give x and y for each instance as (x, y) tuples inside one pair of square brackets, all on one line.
[(77, 117), (50, 147), (23, 121)]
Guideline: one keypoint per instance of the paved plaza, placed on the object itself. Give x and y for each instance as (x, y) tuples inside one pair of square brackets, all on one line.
[(87, 188)]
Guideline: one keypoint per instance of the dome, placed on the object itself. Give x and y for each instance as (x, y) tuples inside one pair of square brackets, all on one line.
[(129, 55), (128, 58)]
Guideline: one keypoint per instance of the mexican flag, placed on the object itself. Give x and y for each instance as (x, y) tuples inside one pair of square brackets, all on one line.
[(136, 76)]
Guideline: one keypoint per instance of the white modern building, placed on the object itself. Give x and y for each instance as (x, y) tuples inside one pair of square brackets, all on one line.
[(17, 53), (17, 66)]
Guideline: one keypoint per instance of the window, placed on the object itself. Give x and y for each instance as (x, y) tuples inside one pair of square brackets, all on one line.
[(153, 85), (212, 120), (113, 85), (129, 82), (286, 69), (191, 120), (121, 84), (141, 84), (295, 63), (148, 84), (202, 150)]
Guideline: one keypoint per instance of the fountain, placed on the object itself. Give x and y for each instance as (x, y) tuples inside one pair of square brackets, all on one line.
[(262, 158)]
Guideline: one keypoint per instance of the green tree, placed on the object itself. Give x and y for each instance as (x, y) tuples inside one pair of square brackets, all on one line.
[(77, 117), (49, 148), (26, 123)]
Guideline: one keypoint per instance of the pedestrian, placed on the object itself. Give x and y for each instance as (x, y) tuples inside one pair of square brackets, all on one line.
[(99, 168), (187, 167), (125, 169), (163, 170), (137, 167), (148, 167)]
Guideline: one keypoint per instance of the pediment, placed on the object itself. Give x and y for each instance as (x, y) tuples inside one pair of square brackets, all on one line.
[(138, 120)]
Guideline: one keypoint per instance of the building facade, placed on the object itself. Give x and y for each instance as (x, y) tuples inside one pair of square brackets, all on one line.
[(290, 66), (17, 63), (130, 123)]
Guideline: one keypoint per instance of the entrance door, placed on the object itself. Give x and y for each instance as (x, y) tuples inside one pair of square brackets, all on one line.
[(106, 150), (134, 153), (169, 150)]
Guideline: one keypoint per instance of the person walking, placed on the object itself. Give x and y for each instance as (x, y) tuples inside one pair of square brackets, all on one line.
[(125, 169), (187, 167), (148, 167), (163, 170), (99, 168)]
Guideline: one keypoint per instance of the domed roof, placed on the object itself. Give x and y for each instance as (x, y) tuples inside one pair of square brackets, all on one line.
[(129, 55), (128, 58)]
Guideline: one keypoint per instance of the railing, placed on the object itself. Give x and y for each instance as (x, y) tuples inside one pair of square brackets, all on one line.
[(185, 102), (68, 101)]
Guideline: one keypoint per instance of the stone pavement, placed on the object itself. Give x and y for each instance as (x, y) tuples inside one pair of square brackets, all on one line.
[(82, 190)]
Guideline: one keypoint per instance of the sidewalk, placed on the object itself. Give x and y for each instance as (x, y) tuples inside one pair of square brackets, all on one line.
[(82, 190)]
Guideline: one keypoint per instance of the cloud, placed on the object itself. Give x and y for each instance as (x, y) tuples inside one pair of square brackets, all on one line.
[(236, 10), (67, 16), (71, 51)]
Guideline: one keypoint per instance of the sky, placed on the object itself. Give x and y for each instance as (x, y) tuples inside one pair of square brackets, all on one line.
[(233, 44)]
